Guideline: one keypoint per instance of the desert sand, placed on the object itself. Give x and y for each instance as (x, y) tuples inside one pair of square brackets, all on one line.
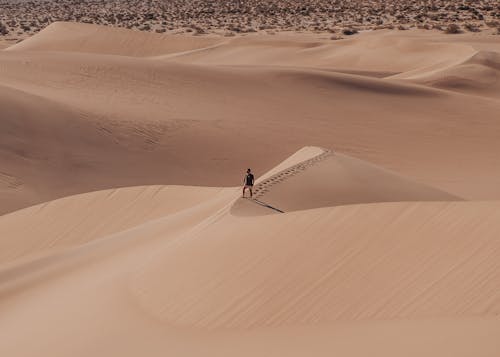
[(374, 228)]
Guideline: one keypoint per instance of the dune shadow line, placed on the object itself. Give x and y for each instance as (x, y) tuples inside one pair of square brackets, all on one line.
[(265, 205)]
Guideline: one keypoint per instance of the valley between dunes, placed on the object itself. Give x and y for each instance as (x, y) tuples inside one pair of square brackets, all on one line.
[(374, 228)]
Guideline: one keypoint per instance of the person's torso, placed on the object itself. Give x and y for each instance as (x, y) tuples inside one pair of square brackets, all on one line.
[(249, 179)]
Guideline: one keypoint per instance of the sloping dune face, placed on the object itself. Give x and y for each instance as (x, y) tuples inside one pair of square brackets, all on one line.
[(165, 109), (333, 179), (87, 38), (406, 260), (76, 220), (478, 75), (174, 267), (373, 52)]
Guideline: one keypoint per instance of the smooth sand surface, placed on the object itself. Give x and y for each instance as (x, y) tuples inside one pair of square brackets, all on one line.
[(333, 179), (200, 280), (171, 270), (87, 38), (85, 217), (374, 228), (74, 120)]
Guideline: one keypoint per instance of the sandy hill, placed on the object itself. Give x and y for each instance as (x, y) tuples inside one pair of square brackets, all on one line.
[(76, 220), (332, 179), (373, 53), (138, 112), (479, 75), (174, 267), (80, 37)]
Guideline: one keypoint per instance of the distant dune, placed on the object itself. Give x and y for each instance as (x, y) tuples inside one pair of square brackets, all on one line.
[(77, 37), (250, 94), (478, 74), (373, 229)]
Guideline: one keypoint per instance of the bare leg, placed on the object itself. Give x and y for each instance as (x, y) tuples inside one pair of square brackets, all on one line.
[(251, 193), (244, 188)]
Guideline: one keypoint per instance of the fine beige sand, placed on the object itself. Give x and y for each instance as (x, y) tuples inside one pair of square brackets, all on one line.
[(74, 120), (374, 225)]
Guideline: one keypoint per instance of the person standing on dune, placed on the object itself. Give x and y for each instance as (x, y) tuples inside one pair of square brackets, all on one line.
[(248, 182)]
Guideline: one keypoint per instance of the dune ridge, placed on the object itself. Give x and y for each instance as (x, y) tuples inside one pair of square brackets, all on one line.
[(477, 75), (330, 179), (90, 216), (88, 38)]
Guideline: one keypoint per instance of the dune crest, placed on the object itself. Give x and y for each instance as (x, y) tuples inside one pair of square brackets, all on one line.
[(333, 179), (90, 216), (87, 38), (478, 75)]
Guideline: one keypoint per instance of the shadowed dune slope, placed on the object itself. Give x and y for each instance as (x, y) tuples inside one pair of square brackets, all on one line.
[(48, 150), (38, 139), (80, 37), (478, 75)]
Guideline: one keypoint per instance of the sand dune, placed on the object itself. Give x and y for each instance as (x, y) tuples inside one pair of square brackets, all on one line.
[(309, 273), (333, 179), (477, 75), (372, 52), (329, 270), (75, 220), (379, 236), (78, 37), (138, 112)]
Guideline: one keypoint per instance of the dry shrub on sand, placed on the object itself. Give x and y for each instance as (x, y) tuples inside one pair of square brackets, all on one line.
[(349, 31), (492, 23), (3, 29), (472, 27), (453, 29), (424, 27)]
